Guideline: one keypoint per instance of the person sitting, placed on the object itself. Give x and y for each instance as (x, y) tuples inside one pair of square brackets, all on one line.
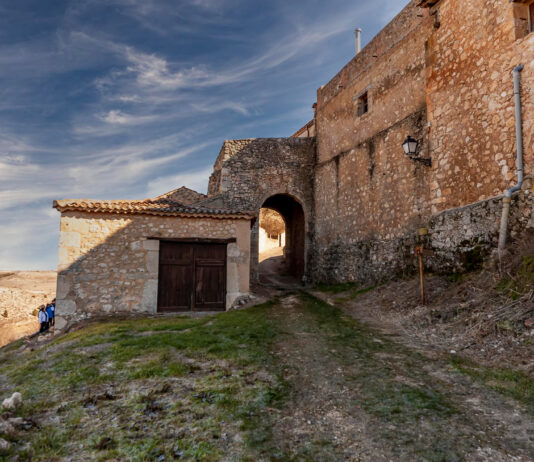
[(50, 311), (43, 318)]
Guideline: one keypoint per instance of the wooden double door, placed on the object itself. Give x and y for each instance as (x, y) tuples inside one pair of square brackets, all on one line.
[(192, 277)]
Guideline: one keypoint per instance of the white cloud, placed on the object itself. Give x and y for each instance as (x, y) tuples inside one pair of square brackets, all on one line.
[(120, 118), (153, 71)]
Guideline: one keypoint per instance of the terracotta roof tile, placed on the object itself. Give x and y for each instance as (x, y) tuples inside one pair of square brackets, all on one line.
[(158, 206), (183, 195)]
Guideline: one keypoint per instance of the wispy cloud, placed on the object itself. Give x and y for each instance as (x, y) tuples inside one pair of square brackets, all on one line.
[(120, 118), (132, 98)]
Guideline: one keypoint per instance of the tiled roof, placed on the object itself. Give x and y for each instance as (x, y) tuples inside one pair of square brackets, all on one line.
[(162, 207), (183, 195)]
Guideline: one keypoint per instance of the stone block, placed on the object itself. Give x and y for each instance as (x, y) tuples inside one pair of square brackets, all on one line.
[(60, 323), (152, 262), (65, 307), (69, 239), (151, 244), (149, 301), (63, 286)]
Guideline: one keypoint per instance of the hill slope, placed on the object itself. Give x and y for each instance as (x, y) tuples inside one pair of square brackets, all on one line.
[(293, 379)]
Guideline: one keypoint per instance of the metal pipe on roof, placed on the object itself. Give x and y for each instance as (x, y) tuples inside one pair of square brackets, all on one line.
[(358, 34)]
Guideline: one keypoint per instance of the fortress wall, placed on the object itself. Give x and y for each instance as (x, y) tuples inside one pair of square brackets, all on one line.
[(443, 76)]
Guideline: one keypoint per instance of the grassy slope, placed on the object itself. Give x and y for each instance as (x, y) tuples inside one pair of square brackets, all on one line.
[(138, 390), (203, 389)]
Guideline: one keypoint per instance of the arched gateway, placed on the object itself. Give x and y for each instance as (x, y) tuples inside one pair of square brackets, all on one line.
[(294, 250), (274, 173)]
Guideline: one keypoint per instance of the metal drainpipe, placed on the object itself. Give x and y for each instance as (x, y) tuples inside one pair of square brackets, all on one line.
[(507, 199)]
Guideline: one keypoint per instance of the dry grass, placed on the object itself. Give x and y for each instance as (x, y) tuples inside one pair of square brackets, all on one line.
[(486, 315)]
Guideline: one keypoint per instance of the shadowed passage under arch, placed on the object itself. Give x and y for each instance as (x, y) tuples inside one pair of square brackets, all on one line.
[(295, 226)]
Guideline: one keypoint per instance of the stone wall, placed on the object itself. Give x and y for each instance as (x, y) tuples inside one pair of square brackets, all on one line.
[(108, 264), (460, 238), (470, 59), (367, 193), (444, 76), (249, 172)]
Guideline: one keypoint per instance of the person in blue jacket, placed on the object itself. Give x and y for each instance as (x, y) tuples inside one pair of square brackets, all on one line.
[(50, 311)]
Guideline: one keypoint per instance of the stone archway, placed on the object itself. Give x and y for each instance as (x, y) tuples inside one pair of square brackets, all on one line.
[(293, 215), (269, 172)]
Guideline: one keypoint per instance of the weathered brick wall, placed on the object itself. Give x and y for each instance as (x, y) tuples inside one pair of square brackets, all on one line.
[(470, 60), (248, 172), (445, 79), (107, 264), (367, 192)]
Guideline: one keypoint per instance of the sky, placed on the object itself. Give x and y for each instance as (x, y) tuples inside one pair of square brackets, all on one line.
[(129, 99)]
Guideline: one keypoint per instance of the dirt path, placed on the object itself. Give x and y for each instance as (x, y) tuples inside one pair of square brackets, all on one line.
[(360, 396)]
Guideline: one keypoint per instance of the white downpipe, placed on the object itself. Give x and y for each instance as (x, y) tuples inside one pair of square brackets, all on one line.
[(358, 34), (507, 199)]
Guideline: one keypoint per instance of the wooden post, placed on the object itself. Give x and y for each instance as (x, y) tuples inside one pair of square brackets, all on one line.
[(421, 277), (419, 251)]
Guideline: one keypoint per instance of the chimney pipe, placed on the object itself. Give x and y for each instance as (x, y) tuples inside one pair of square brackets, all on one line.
[(358, 34)]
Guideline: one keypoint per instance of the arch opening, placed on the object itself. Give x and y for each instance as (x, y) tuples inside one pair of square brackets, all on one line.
[(281, 246)]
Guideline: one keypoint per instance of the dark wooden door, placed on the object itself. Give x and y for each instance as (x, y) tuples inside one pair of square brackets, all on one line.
[(210, 277), (192, 277)]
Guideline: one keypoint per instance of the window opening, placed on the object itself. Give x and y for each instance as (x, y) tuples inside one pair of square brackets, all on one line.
[(363, 104)]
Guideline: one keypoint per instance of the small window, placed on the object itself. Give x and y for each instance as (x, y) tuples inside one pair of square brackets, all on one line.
[(523, 18), (363, 104)]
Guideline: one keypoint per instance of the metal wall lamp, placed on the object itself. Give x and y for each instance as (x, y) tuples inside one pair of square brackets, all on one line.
[(410, 147)]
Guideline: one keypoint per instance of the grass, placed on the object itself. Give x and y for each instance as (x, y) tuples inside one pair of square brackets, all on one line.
[(522, 281), (377, 364), (336, 288), (141, 389), (205, 389), (515, 384), (351, 290)]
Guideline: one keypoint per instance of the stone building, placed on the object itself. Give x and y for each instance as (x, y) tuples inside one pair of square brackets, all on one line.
[(442, 72), (149, 256)]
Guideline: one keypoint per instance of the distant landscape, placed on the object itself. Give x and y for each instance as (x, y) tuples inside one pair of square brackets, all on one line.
[(21, 294)]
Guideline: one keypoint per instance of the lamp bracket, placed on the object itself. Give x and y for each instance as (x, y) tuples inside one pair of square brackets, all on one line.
[(424, 161)]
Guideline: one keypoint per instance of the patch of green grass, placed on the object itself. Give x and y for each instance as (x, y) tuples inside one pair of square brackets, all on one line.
[(354, 293), (50, 443), (336, 288), (219, 355), (455, 277), (515, 384)]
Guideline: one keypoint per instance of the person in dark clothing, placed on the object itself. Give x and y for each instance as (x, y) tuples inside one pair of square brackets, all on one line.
[(43, 318)]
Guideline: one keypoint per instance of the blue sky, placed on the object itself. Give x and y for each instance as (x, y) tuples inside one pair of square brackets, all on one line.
[(132, 98)]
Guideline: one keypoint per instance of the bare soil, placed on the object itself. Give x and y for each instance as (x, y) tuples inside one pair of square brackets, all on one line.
[(468, 317), (357, 395), (21, 293)]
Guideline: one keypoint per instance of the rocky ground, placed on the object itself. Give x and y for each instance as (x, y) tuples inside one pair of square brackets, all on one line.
[(21, 293), (474, 317)]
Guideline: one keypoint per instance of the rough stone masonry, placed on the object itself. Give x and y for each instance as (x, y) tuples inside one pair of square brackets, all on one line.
[(440, 72)]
